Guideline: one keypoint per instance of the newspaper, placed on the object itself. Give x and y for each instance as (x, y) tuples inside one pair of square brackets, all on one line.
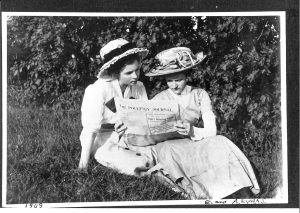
[(148, 121)]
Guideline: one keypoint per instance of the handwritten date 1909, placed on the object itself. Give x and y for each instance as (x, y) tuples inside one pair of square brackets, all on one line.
[(33, 205)]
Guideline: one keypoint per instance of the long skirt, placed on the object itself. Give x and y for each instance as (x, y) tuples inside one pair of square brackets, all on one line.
[(111, 152), (212, 168)]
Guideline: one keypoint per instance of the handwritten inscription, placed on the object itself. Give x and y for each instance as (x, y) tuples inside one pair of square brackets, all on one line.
[(209, 202), (249, 201), (235, 201), (34, 205)]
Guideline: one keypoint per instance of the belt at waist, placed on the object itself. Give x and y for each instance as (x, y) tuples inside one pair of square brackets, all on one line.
[(107, 128)]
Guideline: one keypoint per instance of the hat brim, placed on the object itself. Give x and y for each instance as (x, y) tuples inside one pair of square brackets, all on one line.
[(154, 72), (103, 70)]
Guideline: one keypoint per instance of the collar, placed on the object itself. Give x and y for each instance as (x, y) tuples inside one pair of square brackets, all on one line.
[(117, 87)]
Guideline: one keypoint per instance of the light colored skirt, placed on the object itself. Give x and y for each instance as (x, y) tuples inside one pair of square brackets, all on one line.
[(211, 168), (114, 153)]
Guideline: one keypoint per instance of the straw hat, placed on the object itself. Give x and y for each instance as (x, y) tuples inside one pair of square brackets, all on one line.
[(115, 50), (175, 60)]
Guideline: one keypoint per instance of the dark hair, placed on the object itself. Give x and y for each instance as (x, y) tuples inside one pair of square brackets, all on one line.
[(115, 69)]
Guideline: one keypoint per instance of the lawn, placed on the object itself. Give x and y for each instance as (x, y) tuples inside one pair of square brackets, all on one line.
[(43, 154)]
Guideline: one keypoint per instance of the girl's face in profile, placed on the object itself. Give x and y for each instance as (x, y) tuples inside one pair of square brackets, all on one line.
[(130, 74), (176, 82)]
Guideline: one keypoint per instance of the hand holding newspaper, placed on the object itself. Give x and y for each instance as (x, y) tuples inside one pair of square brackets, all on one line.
[(148, 121)]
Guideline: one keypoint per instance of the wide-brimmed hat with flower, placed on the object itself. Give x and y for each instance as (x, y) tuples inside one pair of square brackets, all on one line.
[(175, 60), (115, 50)]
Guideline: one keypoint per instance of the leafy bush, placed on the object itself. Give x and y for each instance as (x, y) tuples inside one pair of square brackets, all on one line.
[(51, 56), (242, 76)]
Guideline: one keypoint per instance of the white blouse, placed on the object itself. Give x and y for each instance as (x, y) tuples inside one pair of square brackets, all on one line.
[(94, 112), (186, 102)]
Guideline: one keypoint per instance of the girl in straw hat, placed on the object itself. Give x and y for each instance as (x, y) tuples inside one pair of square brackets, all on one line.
[(118, 77), (204, 164)]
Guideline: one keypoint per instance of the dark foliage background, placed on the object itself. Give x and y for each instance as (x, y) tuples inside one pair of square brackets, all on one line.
[(52, 59)]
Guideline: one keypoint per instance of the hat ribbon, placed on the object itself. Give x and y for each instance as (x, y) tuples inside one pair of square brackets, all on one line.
[(118, 51), (178, 55), (173, 64)]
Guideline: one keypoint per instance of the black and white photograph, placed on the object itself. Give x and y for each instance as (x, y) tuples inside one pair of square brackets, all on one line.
[(144, 109)]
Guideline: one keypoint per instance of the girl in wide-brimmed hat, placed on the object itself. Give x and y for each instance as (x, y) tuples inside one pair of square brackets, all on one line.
[(118, 77), (204, 164)]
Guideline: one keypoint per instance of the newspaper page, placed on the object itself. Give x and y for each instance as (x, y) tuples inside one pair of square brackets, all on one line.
[(148, 121)]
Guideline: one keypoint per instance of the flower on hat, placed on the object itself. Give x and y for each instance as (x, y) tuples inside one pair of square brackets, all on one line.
[(175, 60), (115, 50)]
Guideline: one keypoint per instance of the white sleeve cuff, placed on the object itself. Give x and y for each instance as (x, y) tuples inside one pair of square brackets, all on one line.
[(209, 129)]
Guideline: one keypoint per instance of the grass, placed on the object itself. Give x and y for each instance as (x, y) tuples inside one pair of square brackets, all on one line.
[(43, 155)]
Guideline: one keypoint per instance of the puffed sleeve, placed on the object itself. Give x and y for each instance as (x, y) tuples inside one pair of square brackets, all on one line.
[(92, 108), (208, 118), (204, 101)]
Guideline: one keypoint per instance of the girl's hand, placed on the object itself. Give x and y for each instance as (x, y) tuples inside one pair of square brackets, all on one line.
[(81, 170), (83, 166), (184, 128), (120, 128)]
